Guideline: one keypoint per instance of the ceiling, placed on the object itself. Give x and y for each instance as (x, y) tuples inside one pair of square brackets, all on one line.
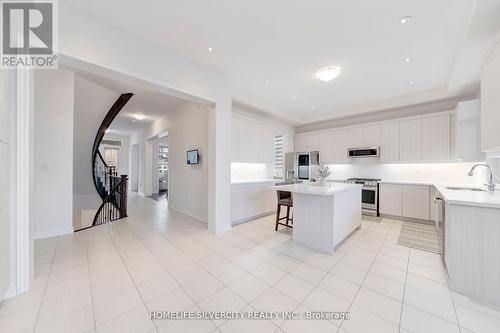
[(146, 103), (285, 42)]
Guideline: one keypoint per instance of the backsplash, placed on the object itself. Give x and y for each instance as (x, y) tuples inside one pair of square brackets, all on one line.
[(250, 171), (432, 172)]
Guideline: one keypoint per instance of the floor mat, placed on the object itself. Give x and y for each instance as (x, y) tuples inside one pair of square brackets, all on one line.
[(419, 236)]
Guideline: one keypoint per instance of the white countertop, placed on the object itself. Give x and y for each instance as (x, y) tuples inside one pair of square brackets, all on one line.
[(254, 181), (312, 188)]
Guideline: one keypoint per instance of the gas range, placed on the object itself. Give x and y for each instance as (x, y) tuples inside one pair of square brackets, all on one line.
[(369, 194)]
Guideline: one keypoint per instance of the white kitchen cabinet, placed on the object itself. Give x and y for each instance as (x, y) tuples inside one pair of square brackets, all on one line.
[(301, 142), (410, 140), (249, 201), (252, 142), (468, 131), (326, 148), (356, 137), (339, 146), (391, 199), (389, 142), (432, 204), (371, 135), (312, 141), (416, 201), (4, 175), (490, 100), (436, 138)]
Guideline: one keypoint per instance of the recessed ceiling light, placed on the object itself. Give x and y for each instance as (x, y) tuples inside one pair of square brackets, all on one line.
[(294, 97), (408, 59), (139, 116), (411, 82), (328, 73), (268, 82), (133, 120), (210, 49), (312, 107), (405, 19)]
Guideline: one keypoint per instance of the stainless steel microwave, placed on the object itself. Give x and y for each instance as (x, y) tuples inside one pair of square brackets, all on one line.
[(363, 152)]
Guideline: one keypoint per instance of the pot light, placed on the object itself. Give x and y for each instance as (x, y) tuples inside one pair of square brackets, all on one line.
[(328, 73), (312, 107), (210, 49), (268, 82), (408, 59), (411, 82), (294, 97), (405, 19), (139, 116)]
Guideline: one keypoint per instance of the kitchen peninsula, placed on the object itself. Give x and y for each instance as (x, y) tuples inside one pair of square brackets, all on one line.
[(324, 215)]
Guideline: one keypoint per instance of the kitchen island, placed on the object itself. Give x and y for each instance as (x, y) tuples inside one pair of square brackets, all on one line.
[(324, 215)]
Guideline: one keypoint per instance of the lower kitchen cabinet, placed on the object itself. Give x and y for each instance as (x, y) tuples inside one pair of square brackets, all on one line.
[(410, 201), (416, 201), (391, 199), (250, 201)]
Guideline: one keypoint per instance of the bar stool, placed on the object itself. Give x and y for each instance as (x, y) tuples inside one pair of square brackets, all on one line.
[(284, 199)]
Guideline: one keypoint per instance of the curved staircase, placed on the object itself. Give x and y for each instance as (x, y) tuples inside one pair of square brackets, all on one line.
[(111, 187)]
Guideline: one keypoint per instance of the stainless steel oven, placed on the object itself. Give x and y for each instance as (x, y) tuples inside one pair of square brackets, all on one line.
[(369, 194)]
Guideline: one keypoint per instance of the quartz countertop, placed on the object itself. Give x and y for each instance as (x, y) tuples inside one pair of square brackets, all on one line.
[(316, 189), (254, 181)]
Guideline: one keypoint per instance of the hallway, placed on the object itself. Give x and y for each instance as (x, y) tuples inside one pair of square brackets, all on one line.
[(108, 278)]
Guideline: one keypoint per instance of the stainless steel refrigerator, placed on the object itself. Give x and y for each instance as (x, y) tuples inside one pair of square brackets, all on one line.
[(303, 166)]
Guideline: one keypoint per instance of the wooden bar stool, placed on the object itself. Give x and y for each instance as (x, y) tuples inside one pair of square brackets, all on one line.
[(284, 199)]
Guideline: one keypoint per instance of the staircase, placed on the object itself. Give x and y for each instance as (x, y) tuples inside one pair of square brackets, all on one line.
[(111, 187)]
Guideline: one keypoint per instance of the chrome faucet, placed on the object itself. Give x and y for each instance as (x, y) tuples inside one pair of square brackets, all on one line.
[(491, 185)]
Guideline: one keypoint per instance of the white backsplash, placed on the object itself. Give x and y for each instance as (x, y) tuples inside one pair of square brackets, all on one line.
[(250, 171), (431, 172)]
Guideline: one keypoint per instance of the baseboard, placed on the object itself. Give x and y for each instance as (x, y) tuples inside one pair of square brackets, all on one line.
[(407, 219), (248, 219), (53, 233), (11, 292), (199, 218)]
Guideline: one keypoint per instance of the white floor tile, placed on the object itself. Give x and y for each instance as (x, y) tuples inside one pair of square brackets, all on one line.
[(339, 287), (294, 287), (202, 287), (111, 307), (383, 306), (384, 286), (432, 304), (418, 321), (362, 321), (248, 287), (133, 321), (81, 320)]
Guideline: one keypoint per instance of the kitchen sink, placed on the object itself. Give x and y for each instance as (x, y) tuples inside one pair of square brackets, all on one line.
[(465, 189)]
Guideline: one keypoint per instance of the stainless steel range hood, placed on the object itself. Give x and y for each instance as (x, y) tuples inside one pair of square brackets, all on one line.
[(363, 152)]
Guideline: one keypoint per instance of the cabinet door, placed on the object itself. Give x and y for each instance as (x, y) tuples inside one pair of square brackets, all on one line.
[(432, 204), (237, 203), (490, 101), (312, 141), (371, 135), (235, 139), (391, 199), (325, 148), (410, 140), (416, 201), (300, 143), (356, 137), (436, 138), (389, 142), (339, 142)]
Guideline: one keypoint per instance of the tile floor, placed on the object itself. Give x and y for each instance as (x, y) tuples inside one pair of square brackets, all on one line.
[(106, 279)]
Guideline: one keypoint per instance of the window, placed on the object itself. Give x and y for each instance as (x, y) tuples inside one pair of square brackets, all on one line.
[(162, 160), (278, 157)]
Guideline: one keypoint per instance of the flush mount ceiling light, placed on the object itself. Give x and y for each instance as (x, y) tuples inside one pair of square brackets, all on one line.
[(328, 73), (405, 19), (139, 116)]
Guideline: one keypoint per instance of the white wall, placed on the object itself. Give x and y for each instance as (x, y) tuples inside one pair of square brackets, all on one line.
[(92, 103), (53, 153), (431, 172), (187, 128), (7, 217), (124, 151)]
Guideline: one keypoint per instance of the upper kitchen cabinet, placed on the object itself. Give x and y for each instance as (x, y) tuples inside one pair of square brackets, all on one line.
[(307, 142), (468, 131), (252, 142), (371, 135), (436, 138), (312, 142), (490, 100), (333, 147), (356, 137), (326, 148), (301, 142), (410, 140), (389, 142)]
